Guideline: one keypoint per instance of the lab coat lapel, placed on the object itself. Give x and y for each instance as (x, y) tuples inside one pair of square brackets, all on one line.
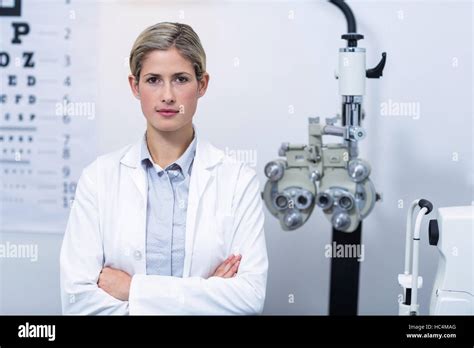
[(139, 178), (137, 173), (202, 175), (136, 193)]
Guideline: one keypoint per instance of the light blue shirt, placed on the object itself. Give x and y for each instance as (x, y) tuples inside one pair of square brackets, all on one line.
[(166, 211)]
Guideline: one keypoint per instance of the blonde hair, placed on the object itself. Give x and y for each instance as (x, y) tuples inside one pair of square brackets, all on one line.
[(163, 36)]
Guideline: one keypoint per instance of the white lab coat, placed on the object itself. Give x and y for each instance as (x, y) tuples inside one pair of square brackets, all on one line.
[(107, 227)]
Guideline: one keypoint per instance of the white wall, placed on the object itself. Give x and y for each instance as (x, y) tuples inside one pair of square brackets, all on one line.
[(285, 62)]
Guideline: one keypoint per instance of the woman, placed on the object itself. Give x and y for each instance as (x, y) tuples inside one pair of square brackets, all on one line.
[(168, 225)]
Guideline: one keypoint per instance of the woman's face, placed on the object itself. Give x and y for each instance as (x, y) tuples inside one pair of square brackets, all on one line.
[(168, 90)]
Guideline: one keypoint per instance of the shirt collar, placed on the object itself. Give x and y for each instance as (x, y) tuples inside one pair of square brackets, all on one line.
[(184, 162)]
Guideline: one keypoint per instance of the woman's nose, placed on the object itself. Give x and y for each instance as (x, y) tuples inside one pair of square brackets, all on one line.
[(167, 96)]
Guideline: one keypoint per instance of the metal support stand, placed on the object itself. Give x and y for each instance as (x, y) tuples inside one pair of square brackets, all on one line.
[(344, 287)]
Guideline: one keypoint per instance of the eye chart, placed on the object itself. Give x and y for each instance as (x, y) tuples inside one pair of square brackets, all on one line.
[(48, 77)]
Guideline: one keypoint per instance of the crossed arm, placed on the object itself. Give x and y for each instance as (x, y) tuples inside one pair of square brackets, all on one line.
[(117, 283)]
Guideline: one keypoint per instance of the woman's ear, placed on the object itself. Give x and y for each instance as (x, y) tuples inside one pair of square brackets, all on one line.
[(203, 83), (134, 86)]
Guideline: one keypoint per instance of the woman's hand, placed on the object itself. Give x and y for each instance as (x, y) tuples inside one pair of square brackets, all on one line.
[(229, 267), (115, 282)]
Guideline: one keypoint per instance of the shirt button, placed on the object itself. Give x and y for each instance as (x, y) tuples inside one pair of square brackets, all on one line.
[(137, 255)]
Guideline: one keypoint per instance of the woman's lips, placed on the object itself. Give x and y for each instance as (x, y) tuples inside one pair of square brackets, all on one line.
[(167, 113)]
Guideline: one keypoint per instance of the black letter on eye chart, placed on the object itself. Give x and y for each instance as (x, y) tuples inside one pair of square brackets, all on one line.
[(29, 59), (19, 29)]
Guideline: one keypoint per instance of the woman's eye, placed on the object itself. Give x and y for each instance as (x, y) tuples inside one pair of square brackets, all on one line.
[(182, 79), (152, 80)]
